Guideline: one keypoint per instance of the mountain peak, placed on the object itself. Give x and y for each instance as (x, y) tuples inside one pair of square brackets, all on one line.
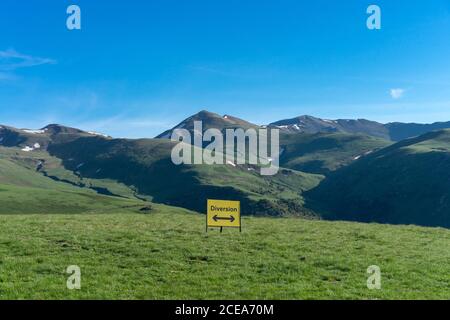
[(305, 116), (57, 128), (207, 113), (209, 120), (203, 115)]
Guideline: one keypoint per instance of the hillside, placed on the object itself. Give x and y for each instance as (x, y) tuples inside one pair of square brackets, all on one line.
[(323, 153), (23, 190), (406, 183), (146, 165), (168, 255)]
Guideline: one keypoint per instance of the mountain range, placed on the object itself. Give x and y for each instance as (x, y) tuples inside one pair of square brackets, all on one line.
[(393, 131), (356, 170)]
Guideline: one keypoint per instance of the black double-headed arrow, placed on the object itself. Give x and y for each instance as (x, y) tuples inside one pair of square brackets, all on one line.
[(217, 218)]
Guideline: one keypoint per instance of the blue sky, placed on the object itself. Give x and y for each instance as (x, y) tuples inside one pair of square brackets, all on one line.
[(138, 67)]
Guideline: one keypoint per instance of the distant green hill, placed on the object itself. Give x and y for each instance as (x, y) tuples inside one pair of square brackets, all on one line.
[(406, 183), (325, 152), (23, 190), (146, 166)]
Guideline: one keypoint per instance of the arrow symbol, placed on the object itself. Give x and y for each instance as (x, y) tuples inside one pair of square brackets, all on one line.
[(217, 218)]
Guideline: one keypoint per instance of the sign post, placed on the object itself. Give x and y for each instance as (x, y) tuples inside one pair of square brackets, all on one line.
[(223, 214)]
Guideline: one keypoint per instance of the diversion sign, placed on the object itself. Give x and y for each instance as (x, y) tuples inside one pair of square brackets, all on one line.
[(223, 214)]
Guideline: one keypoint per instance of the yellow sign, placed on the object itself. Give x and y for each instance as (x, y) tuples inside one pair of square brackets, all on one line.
[(222, 213)]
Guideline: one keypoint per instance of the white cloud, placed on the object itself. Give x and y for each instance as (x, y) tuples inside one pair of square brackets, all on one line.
[(12, 60), (397, 93)]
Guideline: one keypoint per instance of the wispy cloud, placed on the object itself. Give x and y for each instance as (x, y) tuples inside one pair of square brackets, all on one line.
[(11, 60), (397, 93)]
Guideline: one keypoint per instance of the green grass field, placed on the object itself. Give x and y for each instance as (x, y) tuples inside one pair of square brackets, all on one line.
[(166, 254)]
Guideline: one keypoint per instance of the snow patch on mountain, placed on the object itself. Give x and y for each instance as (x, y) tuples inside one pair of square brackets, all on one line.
[(98, 134), (33, 131), (27, 149)]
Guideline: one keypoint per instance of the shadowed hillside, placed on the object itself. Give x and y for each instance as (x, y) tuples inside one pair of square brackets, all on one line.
[(406, 183), (146, 165), (323, 153)]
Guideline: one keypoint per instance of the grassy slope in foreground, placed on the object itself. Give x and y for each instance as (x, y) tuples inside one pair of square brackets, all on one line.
[(168, 255)]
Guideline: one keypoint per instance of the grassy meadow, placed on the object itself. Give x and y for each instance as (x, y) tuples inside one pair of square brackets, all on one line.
[(166, 254)]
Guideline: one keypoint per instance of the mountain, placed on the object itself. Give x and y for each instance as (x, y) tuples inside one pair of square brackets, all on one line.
[(405, 183), (400, 131), (323, 153), (394, 131), (209, 120), (29, 139), (309, 124)]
